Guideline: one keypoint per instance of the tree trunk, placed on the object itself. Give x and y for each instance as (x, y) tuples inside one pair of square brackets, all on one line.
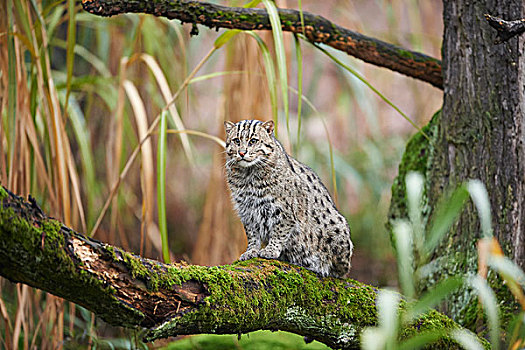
[(479, 135)]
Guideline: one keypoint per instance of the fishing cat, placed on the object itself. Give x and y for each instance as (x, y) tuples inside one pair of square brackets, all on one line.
[(286, 210)]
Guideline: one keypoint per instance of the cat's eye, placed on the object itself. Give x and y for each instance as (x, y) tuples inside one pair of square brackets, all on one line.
[(237, 141), (253, 142)]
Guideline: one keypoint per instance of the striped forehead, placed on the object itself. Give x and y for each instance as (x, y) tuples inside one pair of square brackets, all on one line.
[(245, 129)]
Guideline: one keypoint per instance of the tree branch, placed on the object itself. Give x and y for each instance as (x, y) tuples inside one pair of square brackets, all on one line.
[(506, 29), (317, 29), (127, 290)]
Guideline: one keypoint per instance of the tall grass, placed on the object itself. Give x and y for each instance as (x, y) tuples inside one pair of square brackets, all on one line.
[(80, 100)]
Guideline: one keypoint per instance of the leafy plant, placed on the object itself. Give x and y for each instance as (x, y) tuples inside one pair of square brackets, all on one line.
[(414, 244)]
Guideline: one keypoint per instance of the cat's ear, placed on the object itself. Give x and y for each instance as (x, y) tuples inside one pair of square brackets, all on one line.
[(268, 126), (228, 126)]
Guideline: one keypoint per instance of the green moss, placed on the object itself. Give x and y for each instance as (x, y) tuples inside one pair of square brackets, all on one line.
[(111, 250), (417, 157), (266, 295), (3, 192), (405, 53), (262, 294), (48, 263)]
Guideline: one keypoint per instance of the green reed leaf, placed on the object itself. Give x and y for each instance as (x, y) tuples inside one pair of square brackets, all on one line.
[(467, 339), (280, 54), (490, 306), (433, 297), (446, 214), (299, 56), (480, 197), (371, 87), (405, 257), (70, 52), (225, 38), (161, 186), (12, 89), (270, 76)]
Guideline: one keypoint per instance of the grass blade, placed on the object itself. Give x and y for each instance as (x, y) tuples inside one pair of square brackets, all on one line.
[(215, 75), (301, 15), (161, 187), (75, 184), (332, 165), (270, 76), (225, 37), (252, 3), (280, 54), (372, 338), (81, 131), (70, 52), (22, 18), (508, 268), (166, 93), (361, 78), (405, 257), (88, 56), (490, 305), (467, 339), (146, 154), (299, 56), (512, 274), (414, 189), (12, 90), (419, 341), (384, 336), (330, 147), (387, 309), (516, 332), (446, 214), (217, 140), (479, 196), (433, 297)]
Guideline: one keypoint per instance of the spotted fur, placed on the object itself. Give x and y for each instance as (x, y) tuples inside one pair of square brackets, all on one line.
[(286, 210)]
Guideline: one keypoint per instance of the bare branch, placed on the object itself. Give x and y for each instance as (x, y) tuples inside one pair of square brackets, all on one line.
[(316, 28), (506, 29)]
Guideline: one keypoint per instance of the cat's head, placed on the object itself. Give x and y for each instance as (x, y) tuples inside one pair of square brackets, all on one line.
[(249, 143)]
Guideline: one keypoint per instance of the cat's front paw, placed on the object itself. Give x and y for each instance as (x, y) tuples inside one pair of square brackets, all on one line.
[(269, 253), (249, 254)]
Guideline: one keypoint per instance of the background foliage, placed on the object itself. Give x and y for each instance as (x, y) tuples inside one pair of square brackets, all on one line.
[(78, 94)]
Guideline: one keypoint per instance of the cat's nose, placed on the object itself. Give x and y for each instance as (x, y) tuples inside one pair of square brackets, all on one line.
[(242, 153)]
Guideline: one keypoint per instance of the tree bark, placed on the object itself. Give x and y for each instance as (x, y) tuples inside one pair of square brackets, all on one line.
[(480, 134), (130, 291), (317, 29)]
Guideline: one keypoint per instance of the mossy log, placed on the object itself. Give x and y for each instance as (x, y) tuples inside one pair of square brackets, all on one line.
[(317, 29), (126, 290)]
